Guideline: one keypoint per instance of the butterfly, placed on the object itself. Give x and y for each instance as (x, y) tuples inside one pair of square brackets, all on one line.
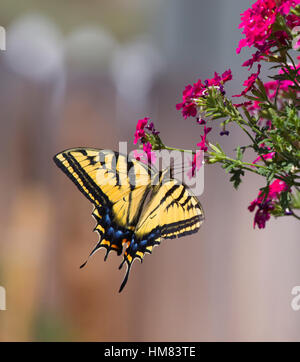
[(134, 206)]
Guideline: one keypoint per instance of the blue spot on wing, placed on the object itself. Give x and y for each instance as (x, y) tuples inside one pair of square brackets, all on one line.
[(107, 219), (110, 231), (143, 242), (118, 234)]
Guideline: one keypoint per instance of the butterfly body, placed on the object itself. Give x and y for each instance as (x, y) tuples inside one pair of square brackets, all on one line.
[(131, 210)]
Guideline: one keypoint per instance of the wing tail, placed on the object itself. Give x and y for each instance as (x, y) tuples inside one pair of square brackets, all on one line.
[(125, 278), (137, 250), (91, 254)]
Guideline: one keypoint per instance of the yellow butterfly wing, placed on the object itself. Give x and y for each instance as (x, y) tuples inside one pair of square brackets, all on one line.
[(172, 212), (115, 185)]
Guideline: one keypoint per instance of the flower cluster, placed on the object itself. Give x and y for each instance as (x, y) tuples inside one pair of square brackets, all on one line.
[(193, 92), (267, 26), (265, 203), (269, 115), (148, 136), (191, 105), (257, 24)]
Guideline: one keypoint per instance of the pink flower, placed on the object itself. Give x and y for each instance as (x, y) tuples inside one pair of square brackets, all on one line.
[(254, 107), (258, 56), (195, 164), (201, 121), (140, 133), (189, 108), (249, 83), (203, 142), (243, 104), (271, 88), (286, 6), (292, 21), (276, 188), (265, 204), (257, 23), (226, 76), (265, 49), (263, 213), (218, 80), (281, 37), (267, 156), (152, 129), (193, 92), (190, 93), (147, 147), (146, 156)]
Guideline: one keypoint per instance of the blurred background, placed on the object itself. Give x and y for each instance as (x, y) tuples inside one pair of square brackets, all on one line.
[(81, 73)]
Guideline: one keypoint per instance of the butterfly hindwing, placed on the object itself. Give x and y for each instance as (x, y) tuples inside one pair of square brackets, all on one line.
[(173, 210)]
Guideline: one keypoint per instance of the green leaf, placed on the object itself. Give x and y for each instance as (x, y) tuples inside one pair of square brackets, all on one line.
[(236, 177), (239, 153)]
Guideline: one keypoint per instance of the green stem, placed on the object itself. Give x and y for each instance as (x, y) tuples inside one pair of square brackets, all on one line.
[(245, 163), (177, 149)]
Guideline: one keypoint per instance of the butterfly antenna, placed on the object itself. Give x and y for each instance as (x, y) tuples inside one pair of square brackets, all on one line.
[(125, 279)]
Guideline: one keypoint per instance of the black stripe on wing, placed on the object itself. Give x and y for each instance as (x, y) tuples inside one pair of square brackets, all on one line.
[(71, 167)]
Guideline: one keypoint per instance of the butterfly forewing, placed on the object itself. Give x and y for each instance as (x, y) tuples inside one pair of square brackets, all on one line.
[(107, 178)]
